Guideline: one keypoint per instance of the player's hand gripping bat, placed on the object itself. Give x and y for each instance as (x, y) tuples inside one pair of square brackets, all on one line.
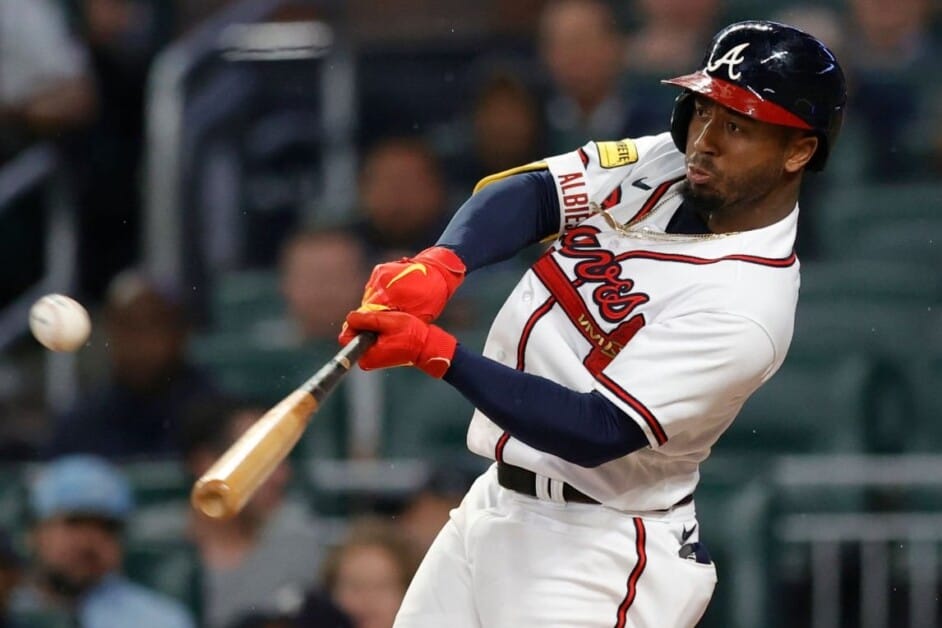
[(226, 487)]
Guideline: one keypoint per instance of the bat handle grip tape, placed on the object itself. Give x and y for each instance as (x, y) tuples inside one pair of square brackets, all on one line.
[(326, 379)]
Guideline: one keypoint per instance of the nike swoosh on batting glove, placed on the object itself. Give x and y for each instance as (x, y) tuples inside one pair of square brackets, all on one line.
[(403, 340), (419, 285)]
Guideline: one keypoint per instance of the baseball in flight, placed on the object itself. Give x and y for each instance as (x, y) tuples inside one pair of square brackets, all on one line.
[(59, 323)]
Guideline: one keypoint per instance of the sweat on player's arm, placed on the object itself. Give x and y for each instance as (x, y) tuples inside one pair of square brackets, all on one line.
[(665, 300)]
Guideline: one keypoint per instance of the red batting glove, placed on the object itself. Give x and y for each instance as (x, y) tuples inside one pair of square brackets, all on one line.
[(419, 285), (404, 340)]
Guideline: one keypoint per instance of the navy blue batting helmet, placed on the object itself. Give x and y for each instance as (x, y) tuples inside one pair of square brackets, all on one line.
[(771, 72)]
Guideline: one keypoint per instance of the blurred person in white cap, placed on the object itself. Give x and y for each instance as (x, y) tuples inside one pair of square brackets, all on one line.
[(79, 505)]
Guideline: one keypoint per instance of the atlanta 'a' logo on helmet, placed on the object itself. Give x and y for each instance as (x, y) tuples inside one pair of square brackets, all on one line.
[(731, 58)]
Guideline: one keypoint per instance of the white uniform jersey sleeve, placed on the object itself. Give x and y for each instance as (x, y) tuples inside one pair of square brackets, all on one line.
[(585, 177), (684, 379)]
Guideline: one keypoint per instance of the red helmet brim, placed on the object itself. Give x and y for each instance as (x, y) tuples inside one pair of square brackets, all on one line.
[(738, 99)]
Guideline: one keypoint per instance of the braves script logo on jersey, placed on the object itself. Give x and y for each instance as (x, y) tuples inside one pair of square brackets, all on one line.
[(732, 58), (613, 294)]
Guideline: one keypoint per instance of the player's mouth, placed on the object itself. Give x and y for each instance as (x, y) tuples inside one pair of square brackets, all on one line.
[(698, 176)]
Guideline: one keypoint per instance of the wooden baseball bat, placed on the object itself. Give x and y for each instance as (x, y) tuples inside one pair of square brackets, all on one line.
[(226, 487)]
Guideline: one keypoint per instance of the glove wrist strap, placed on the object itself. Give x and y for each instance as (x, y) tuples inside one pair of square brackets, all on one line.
[(437, 352)]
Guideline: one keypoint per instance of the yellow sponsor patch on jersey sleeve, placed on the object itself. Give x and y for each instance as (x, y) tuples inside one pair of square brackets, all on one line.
[(615, 154)]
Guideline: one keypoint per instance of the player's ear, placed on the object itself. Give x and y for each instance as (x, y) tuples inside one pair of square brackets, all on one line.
[(799, 151)]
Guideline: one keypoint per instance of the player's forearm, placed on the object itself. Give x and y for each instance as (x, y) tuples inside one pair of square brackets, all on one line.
[(582, 428), (503, 218)]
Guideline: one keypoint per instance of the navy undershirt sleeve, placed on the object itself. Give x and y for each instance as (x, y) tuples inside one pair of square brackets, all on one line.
[(503, 218), (583, 428)]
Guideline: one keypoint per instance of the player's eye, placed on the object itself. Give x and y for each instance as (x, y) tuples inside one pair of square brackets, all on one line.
[(732, 127)]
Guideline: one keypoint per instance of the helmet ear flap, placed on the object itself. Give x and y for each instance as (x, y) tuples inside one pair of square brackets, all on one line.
[(825, 141), (680, 119)]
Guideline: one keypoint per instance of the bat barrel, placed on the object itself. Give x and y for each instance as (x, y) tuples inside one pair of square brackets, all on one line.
[(226, 487)]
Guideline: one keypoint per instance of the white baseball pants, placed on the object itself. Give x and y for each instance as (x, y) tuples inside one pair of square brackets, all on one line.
[(506, 560)]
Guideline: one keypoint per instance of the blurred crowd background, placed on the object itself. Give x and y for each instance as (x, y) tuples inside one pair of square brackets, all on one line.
[(214, 179)]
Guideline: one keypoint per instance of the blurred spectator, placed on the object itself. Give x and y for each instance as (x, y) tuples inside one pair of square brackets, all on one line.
[(79, 506), (415, 20), (46, 92), (898, 34), (427, 511), (192, 12), (260, 620), (821, 21), (893, 81), (322, 273), (11, 575), (671, 37), (402, 198), (266, 557), (123, 36), (151, 385), (368, 573), (581, 47), (504, 129), (514, 19), (24, 431), (320, 612), (46, 85)]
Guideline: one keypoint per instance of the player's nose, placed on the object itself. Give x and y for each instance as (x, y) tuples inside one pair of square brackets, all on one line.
[(705, 138)]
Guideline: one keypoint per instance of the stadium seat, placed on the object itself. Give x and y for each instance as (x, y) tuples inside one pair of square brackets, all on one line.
[(156, 481), (917, 240), (885, 329), (248, 368), (424, 417), (819, 403), (13, 498), (40, 619), (892, 332), (930, 429), (866, 281), (240, 299), (734, 505), (871, 221)]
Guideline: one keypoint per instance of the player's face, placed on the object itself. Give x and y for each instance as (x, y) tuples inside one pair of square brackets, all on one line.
[(733, 161)]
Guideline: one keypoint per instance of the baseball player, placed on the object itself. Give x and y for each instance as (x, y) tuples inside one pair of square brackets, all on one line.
[(666, 299)]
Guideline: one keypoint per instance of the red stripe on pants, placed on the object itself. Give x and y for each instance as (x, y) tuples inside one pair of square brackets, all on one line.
[(635, 575)]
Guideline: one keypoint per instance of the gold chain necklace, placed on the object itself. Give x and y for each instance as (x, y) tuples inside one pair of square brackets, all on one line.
[(631, 230)]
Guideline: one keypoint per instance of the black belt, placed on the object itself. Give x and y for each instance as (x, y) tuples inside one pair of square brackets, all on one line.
[(524, 481)]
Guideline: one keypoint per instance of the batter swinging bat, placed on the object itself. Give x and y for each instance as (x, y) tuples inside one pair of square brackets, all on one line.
[(225, 488)]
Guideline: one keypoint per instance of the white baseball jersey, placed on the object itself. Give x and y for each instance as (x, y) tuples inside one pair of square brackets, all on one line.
[(676, 330)]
